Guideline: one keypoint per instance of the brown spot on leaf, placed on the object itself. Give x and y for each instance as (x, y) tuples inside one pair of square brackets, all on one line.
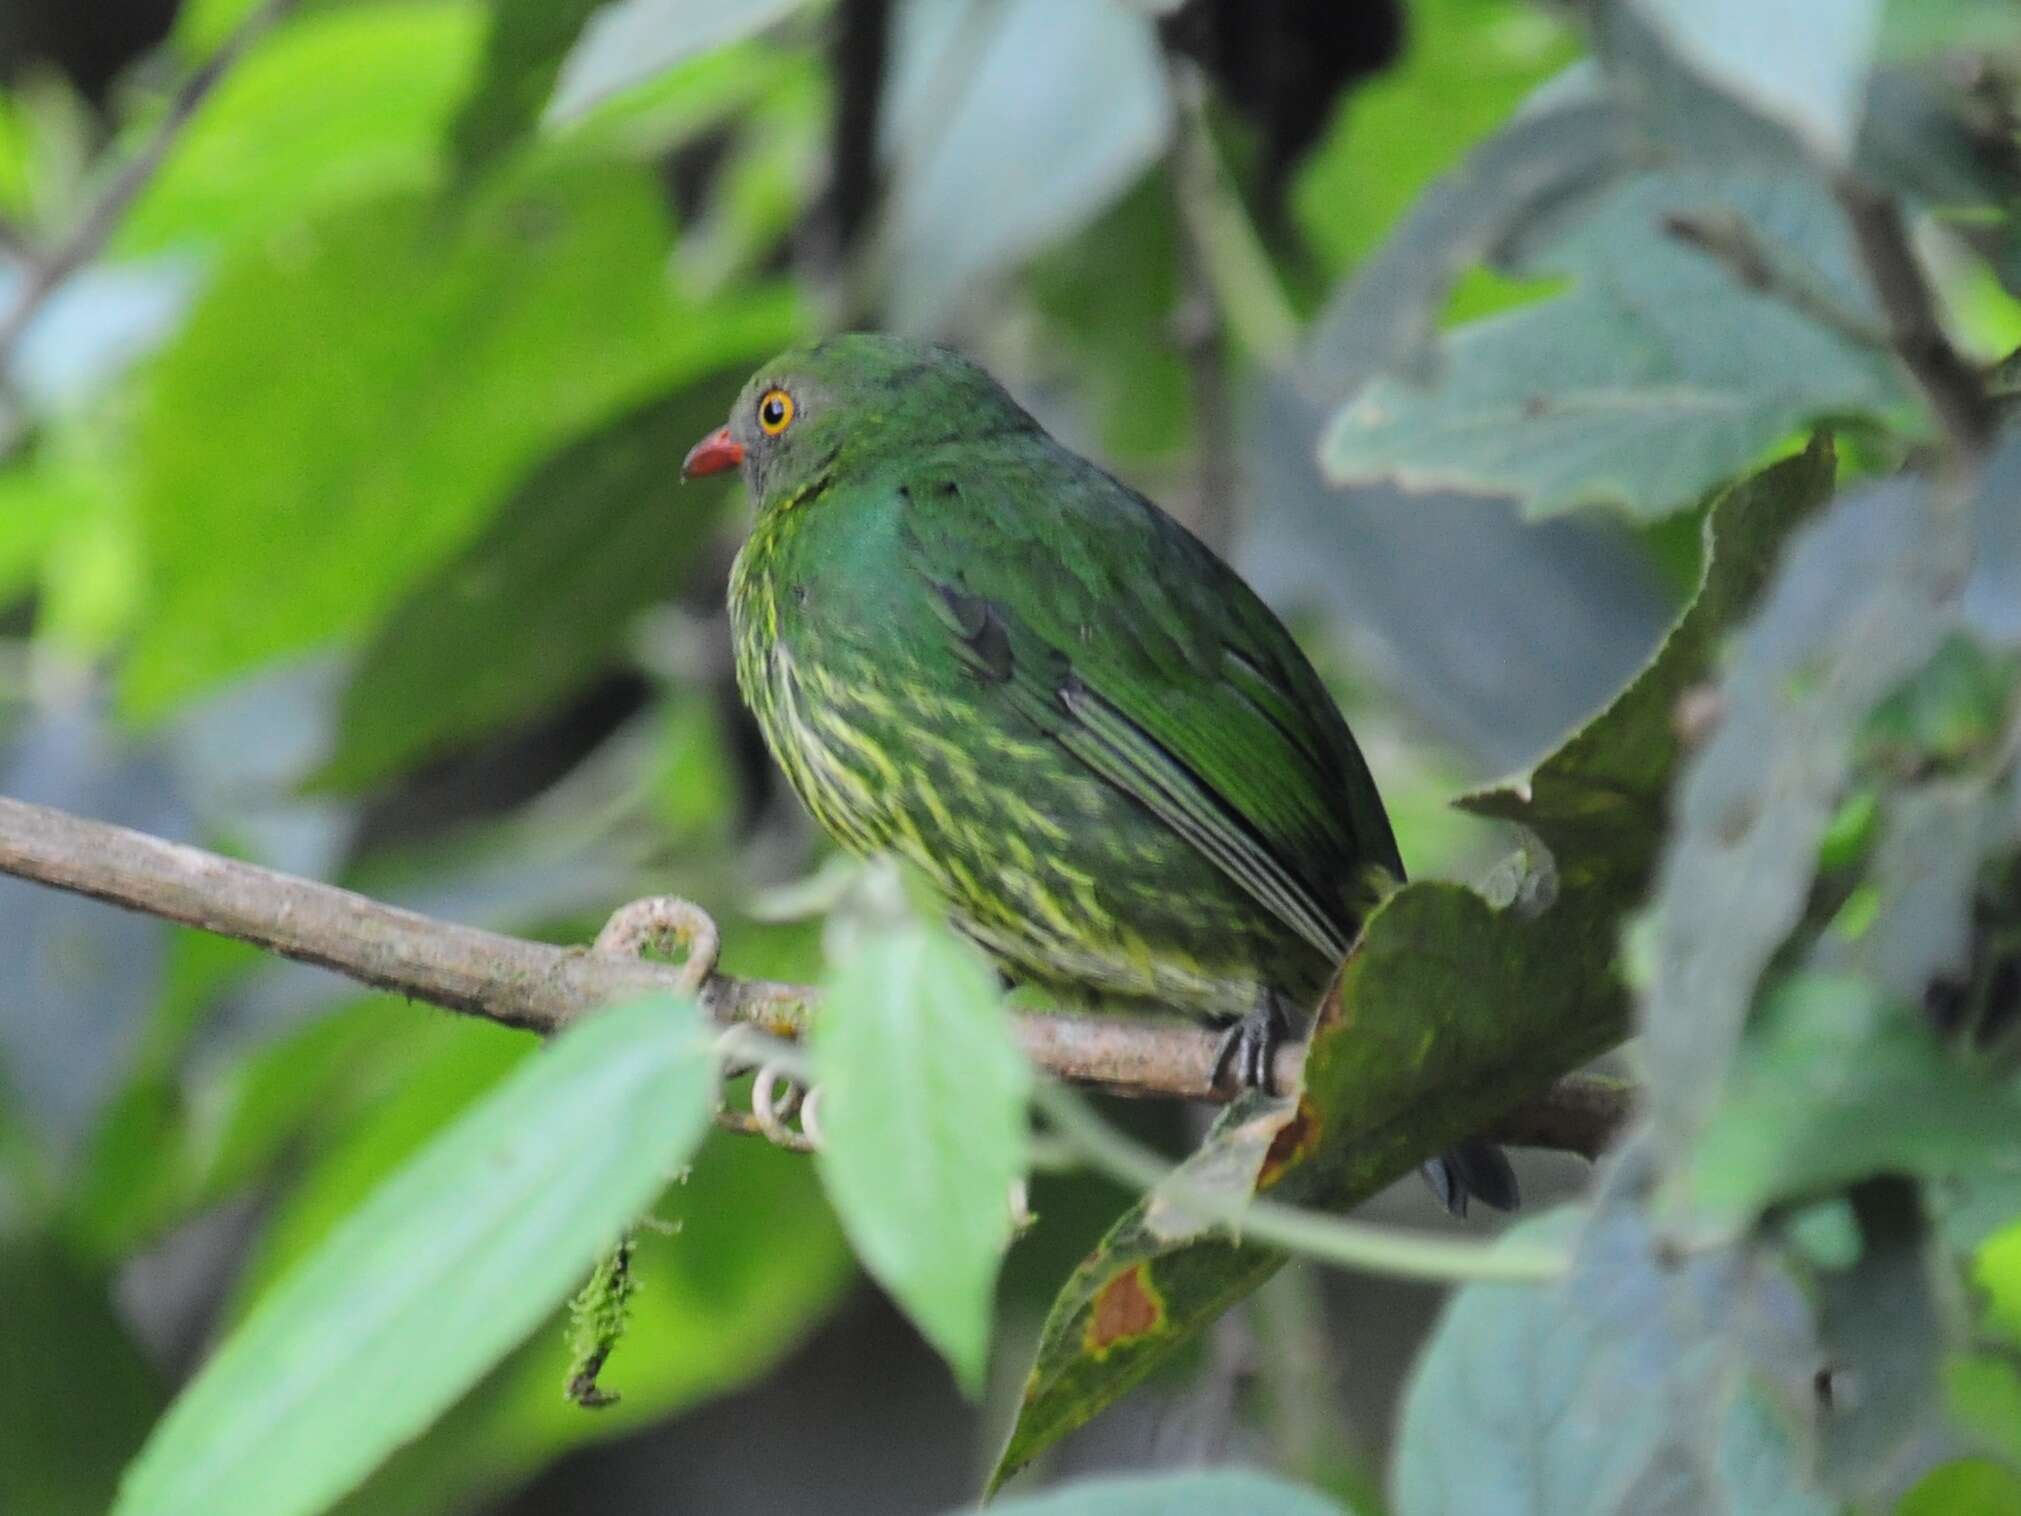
[(1127, 1309), (1293, 1143)]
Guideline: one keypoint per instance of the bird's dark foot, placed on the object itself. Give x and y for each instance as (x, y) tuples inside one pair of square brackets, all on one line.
[(1249, 1047)]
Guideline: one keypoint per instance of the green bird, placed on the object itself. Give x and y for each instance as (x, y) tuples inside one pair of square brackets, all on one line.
[(969, 646)]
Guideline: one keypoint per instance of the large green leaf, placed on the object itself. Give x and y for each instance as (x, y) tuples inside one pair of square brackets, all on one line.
[(1207, 1493), (540, 602), (1447, 1012), (1967, 1487), (1652, 379), (345, 407), (334, 108), (438, 1274), (720, 1301), (924, 1126)]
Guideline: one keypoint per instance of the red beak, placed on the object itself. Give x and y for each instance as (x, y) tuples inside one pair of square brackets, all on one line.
[(714, 453)]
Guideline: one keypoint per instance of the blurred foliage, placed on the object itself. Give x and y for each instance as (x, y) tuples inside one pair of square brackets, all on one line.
[(339, 529)]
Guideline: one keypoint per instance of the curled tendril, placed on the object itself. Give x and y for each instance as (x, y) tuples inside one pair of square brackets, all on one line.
[(670, 924)]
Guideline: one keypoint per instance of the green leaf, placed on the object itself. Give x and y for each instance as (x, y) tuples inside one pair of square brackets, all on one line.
[(1997, 1271), (345, 409), (523, 53), (1652, 380), (1863, 598), (335, 108), (441, 1271), (924, 1129), (1968, 1487), (1206, 1493), (1404, 1062), (1621, 1390), (76, 1394), (542, 601), (749, 1262)]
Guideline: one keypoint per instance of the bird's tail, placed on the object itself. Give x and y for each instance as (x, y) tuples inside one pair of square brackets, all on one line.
[(1475, 1169)]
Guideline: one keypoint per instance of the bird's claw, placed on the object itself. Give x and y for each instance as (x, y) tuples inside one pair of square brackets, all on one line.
[(1249, 1048)]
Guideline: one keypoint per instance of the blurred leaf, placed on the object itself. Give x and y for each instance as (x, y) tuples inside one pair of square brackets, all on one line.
[(1467, 65), (1624, 1389), (1835, 1084), (924, 1128), (1559, 613), (341, 414), (1803, 65), (334, 108), (1862, 598), (1884, 1328), (443, 1270), (76, 1395), (80, 977), (1600, 801), (1654, 379), (400, 1099), (523, 53), (542, 601), (1969, 1487), (1997, 1271), (1385, 319), (1007, 127), (1204, 1493), (1402, 1064), (630, 41), (1918, 28), (1109, 296), (751, 1260), (1983, 1393)]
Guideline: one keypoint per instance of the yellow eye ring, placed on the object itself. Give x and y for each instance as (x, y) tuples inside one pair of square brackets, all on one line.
[(775, 412)]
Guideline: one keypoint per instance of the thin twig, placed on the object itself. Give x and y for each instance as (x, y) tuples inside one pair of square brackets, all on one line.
[(1231, 255), (1728, 239), (1954, 389), (47, 274), (541, 987), (1329, 1239)]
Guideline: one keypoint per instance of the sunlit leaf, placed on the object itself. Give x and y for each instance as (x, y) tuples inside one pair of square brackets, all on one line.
[(448, 1264), (336, 107), (286, 502)]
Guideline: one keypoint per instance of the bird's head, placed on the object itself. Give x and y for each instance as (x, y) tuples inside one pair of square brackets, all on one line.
[(816, 409)]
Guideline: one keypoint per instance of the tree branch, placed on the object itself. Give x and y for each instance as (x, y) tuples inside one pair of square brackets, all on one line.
[(44, 276), (540, 987), (1952, 386)]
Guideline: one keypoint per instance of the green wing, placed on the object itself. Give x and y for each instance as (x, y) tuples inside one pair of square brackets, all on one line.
[(1091, 614)]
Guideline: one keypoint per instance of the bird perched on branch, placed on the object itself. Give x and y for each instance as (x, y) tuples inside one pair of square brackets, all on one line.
[(972, 647)]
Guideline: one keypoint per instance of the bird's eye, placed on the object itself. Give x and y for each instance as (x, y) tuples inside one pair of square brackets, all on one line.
[(775, 412)]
